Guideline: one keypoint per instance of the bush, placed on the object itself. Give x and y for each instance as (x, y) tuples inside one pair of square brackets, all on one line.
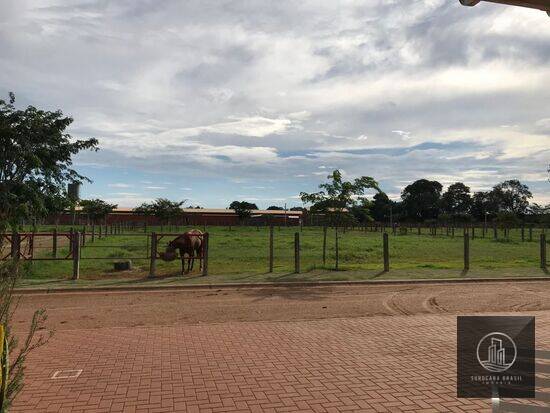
[(9, 274)]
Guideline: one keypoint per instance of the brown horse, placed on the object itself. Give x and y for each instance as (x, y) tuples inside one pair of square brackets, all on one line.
[(189, 243)]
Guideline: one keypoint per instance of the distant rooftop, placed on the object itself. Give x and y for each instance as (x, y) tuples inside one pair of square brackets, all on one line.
[(218, 211)]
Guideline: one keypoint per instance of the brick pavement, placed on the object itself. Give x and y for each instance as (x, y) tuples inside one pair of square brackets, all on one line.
[(378, 364)]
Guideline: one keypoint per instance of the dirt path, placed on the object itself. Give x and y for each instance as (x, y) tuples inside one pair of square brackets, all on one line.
[(154, 308)]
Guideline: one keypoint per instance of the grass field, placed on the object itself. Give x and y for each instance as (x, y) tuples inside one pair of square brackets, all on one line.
[(240, 254)]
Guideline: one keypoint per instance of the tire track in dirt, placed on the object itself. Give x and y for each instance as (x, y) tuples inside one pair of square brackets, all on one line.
[(431, 305), (393, 306), (532, 305)]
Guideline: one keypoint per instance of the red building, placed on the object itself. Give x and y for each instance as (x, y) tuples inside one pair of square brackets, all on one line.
[(191, 216)]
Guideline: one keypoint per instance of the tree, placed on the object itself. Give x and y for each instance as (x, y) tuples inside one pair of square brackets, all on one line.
[(163, 209), (457, 199), (243, 209), (484, 205), (35, 161), (275, 208), (421, 199), (512, 196), (539, 213), (35, 167), (338, 197), (57, 203), (381, 207), (96, 209)]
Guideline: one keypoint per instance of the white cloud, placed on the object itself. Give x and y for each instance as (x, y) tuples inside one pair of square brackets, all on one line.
[(119, 185), (396, 90)]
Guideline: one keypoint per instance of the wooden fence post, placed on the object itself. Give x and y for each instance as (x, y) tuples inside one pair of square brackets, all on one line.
[(15, 246), (324, 245), (75, 240), (336, 250), (530, 233), (71, 233), (153, 257), (543, 251), (466, 252), (205, 240), (271, 248), (386, 253), (93, 233), (54, 243), (522, 233), (83, 243), (297, 253), (495, 232)]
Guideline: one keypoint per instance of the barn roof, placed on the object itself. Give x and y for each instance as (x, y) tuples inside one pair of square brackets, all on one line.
[(217, 211)]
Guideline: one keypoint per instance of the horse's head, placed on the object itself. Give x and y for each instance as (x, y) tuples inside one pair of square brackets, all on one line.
[(170, 253)]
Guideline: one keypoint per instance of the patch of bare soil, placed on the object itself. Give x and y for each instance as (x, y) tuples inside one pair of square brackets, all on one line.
[(78, 310)]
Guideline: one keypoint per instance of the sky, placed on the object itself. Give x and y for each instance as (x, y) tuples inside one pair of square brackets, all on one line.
[(215, 101)]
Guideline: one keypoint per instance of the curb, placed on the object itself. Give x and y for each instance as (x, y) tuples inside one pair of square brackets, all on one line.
[(31, 290)]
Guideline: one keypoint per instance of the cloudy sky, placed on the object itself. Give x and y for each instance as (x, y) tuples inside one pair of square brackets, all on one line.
[(213, 101)]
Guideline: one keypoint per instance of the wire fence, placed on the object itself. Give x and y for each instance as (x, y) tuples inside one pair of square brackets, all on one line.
[(94, 249)]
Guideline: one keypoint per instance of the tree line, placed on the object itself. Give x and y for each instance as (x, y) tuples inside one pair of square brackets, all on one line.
[(424, 200)]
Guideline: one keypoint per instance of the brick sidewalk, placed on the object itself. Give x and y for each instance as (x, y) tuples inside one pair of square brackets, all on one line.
[(379, 364)]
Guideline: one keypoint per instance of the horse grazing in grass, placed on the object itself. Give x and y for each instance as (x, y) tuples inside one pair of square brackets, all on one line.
[(189, 243)]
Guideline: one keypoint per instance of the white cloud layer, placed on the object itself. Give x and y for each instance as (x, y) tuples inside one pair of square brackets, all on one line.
[(270, 91)]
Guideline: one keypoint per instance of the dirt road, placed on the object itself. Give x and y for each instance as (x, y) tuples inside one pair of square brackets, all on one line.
[(154, 308)]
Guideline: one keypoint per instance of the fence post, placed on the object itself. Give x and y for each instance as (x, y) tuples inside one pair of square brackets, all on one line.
[(75, 240), (205, 240), (495, 233), (324, 245), (153, 255), (297, 253), (54, 243), (543, 251), (93, 233), (386, 254), (466, 252), (271, 248), (336, 251), (71, 233), (522, 233), (84, 235), (531, 233), (15, 245)]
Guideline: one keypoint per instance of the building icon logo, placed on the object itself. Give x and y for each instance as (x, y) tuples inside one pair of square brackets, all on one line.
[(496, 352)]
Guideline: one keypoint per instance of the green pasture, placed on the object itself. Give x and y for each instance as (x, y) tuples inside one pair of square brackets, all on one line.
[(240, 254)]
